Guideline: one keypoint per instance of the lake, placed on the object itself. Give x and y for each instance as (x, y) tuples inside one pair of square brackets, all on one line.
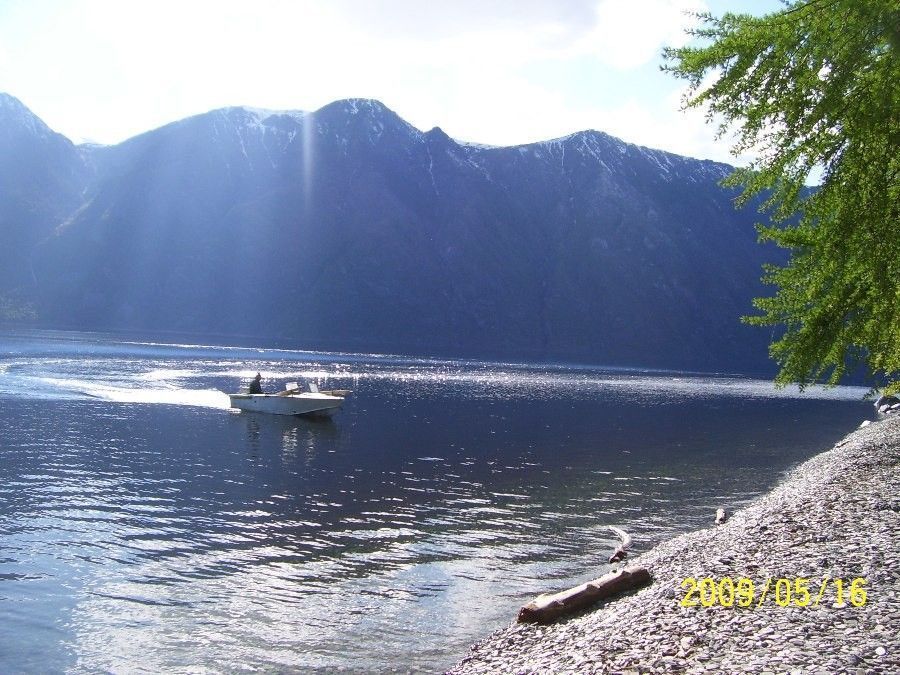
[(144, 526)]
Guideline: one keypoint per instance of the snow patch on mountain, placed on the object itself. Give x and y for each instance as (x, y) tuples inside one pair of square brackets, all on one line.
[(259, 119), (476, 146), (14, 111), (376, 115)]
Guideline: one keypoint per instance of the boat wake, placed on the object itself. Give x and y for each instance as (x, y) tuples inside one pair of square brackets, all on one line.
[(25, 383), (204, 398)]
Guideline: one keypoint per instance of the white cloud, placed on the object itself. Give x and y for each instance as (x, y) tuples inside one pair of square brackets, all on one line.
[(627, 35)]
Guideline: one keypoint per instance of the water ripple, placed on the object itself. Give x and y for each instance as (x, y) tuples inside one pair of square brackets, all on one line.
[(144, 528)]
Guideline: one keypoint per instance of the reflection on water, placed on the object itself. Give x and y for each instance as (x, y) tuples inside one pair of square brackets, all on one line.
[(296, 435), (145, 526)]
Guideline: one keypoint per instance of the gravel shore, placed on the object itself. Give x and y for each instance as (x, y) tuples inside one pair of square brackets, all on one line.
[(836, 516)]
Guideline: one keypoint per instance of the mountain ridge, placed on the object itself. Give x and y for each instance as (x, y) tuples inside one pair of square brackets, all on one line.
[(348, 226)]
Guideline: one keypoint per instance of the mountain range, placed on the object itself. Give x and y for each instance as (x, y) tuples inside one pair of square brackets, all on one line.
[(347, 228)]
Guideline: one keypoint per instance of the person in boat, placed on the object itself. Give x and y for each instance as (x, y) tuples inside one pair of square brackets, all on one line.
[(255, 385)]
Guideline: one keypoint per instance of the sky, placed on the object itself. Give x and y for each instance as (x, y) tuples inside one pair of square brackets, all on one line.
[(499, 72)]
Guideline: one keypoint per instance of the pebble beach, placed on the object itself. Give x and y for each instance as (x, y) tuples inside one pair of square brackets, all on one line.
[(834, 518)]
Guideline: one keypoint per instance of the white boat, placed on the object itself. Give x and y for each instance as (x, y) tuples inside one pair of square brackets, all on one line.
[(292, 401)]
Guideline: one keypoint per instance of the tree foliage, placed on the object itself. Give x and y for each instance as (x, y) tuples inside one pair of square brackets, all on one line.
[(815, 87)]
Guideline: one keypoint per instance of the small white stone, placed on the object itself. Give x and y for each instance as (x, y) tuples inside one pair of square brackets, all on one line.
[(881, 651)]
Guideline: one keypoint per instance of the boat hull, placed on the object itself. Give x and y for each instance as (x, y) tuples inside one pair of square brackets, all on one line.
[(307, 403)]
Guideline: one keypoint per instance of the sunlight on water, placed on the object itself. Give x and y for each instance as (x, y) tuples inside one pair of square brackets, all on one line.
[(127, 381)]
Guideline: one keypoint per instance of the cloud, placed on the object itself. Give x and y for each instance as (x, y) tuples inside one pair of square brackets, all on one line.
[(482, 84), (627, 35), (501, 72)]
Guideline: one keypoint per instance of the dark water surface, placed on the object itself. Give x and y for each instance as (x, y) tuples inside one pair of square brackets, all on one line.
[(145, 527)]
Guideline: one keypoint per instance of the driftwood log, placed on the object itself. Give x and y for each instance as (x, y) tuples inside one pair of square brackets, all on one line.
[(621, 549), (721, 516), (548, 607)]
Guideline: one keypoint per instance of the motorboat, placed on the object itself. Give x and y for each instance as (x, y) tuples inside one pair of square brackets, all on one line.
[(293, 401)]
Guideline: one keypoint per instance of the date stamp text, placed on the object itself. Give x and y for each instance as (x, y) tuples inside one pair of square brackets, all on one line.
[(796, 592)]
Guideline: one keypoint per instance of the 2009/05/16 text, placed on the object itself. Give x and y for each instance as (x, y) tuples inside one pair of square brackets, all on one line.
[(797, 592)]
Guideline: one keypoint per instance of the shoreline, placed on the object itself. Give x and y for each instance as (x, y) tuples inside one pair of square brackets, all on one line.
[(835, 515)]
